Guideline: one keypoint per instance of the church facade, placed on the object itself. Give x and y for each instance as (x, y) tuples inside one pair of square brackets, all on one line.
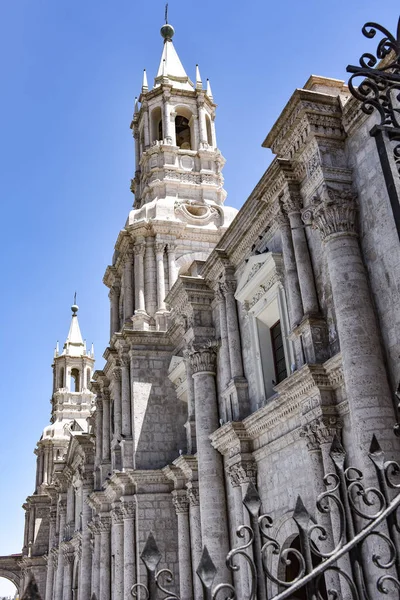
[(240, 344)]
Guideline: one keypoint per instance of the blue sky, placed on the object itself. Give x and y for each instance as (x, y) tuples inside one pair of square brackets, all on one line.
[(70, 71)]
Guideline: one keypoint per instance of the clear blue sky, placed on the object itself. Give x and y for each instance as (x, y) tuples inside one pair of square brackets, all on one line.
[(69, 74)]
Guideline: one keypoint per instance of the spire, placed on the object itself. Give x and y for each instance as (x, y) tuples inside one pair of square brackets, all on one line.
[(145, 85), (74, 344), (199, 83), (209, 92), (170, 65)]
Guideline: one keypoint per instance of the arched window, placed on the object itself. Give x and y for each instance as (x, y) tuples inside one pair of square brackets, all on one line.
[(61, 383), (183, 133), (156, 124), (87, 377), (74, 385), (209, 131)]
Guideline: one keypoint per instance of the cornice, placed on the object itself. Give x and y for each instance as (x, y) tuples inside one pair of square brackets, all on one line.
[(228, 437)]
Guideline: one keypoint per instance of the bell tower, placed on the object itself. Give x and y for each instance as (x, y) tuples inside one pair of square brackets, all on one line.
[(178, 214)]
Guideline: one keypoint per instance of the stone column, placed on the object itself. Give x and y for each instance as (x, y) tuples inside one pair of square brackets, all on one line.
[(190, 424), (146, 127), (96, 558), (293, 203), (128, 285), (237, 514), (139, 278), (224, 348), (235, 352), (99, 430), (114, 309), (106, 428), (202, 123), (68, 567), (118, 553), (195, 537), (160, 247), (167, 119), (127, 443), (214, 523), (85, 566), (128, 514), (172, 268), (181, 503), (137, 149), (62, 514), (150, 277), (50, 560), (105, 557), (370, 404), (117, 402)]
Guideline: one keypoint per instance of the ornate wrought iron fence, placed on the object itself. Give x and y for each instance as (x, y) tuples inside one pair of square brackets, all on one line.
[(363, 562)]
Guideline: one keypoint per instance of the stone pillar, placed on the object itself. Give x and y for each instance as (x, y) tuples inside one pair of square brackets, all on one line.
[(291, 275), (150, 278), (137, 149), (235, 353), (172, 268), (128, 285), (139, 277), (68, 567), (370, 404), (293, 203), (160, 247), (167, 119), (85, 566), (224, 348), (116, 393), (190, 424), (96, 559), (202, 123), (195, 538), (146, 127), (114, 309), (118, 553), (214, 523), (99, 430), (106, 441), (240, 577), (128, 514), (105, 557), (50, 560), (126, 444), (62, 514), (181, 503)]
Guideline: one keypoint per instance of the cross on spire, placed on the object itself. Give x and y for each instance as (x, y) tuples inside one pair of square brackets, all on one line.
[(166, 14)]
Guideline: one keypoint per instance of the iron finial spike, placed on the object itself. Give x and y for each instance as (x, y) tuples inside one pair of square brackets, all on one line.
[(75, 298), (166, 14)]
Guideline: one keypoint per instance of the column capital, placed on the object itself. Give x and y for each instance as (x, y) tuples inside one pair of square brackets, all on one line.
[(193, 496), (333, 215), (321, 431), (243, 472), (117, 515), (281, 218), (115, 290), (128, 509), (292, 201), (160, 247), (124, 358), (104, 523), (68, 553), (228, 287), (116, 374), (171, 247), (181, 501), (203, 359), (139, 249)]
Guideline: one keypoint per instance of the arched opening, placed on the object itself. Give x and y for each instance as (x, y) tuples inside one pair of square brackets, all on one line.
[(74, 385), (209, 131), (156, 125), (293, 568), (183, 133), (8, 589), (61, 378)]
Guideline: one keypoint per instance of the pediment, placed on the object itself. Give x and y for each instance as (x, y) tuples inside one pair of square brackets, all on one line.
[(261, 272)]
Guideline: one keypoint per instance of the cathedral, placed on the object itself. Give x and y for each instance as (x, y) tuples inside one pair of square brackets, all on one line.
[(242, 343)]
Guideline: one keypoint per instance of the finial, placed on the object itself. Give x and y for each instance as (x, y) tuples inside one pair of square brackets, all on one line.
[(136, 109), (167, 31), (74, 307), (209, 92), (145, 85), (199, 83)]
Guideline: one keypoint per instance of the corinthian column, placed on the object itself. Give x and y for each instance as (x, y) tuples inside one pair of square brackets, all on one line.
[(235, 353), (106, 427), (370, 403), (68, 566), (224, 348), (128, 285), (85, 566), (62, 514), (214, 525), (99, 430), (105, 557), (116, 392), (126, 444), (139, 277), (128, 514), (293, 203), (118, 553), (114, 309), (150, 278), (172, 268), (50, 560), (181, 503), (195, 537), (167, 119), (160, 247), (94, 527)]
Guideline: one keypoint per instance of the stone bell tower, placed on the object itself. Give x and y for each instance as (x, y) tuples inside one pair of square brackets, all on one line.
[(179, 213)]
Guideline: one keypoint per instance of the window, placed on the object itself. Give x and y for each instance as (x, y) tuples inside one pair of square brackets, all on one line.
[(278, 352), (74, 385)]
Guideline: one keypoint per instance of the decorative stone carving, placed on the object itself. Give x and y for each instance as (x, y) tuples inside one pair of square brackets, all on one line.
[(193, 495), (181, 501), (203, 359), (117, 515), (335, 214), (243, 472), (139, 249), (321, 431), (128, 509)]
